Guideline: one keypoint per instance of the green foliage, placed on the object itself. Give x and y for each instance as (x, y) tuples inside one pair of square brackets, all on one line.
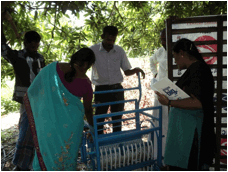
[(9, 135), (6, 71), (139, 24), (7, 106)]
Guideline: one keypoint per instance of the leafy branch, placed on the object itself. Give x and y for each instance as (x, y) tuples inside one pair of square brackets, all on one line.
[(118, 10), (52, 33), (111, 14)]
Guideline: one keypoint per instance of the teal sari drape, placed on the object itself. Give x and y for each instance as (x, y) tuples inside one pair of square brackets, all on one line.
[(56, 120), (181, 128)]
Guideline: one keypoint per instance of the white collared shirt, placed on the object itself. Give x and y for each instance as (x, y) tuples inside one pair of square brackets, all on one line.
[(106, 69), (159, 58)]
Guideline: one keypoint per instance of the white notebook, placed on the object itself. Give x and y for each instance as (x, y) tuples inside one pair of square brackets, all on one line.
[(167, 87)]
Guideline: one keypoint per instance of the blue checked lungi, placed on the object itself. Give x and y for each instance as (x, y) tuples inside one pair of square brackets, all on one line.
[(25, 150)]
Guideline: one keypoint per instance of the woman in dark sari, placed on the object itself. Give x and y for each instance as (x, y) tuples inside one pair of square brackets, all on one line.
[(191, 140)]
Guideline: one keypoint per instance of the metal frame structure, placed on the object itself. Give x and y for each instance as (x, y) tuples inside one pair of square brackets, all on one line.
[(220, 29), (123, 137)]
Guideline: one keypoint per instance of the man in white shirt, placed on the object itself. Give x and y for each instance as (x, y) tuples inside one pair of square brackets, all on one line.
[(106, 74), (160, 59)]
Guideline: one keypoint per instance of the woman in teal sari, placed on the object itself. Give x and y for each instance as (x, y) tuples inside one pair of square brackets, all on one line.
[(56, 113), (190, 143)]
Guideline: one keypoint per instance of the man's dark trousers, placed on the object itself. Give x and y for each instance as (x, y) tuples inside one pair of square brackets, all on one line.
[(109, 97)]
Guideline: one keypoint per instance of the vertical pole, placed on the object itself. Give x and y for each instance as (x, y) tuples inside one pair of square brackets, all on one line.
[(159, 140), (140, 89), (137, 104), (219, 90), (169, 48), (96, 144), (169, 41)]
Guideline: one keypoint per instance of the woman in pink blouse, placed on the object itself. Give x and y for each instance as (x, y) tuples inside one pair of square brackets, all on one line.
[(56, 112)]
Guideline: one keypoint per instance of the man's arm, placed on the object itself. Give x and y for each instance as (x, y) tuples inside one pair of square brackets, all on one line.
[(153, 65), (191, 103), (126, 66), (6, 52), (88, 110), (136, 70), (42, 61)]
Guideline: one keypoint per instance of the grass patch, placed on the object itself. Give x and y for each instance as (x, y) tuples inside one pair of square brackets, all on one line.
[(7, 104), (9, 136)]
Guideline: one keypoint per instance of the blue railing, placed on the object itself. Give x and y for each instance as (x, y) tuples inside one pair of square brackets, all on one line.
[(116, 137)]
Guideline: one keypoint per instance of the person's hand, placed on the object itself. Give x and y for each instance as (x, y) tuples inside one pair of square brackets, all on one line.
[(137, 70), (155, 75), (89, 137), (162, 98)]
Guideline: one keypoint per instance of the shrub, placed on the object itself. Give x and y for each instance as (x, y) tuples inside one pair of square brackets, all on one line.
[(8, 106)]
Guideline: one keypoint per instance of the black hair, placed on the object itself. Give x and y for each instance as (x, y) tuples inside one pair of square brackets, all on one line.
[(81, 56), (189, 47), (111, 30), (31, 36)]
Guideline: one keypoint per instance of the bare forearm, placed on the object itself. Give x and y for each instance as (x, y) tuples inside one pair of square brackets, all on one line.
[(134, 71), (89, 116), (130, 72), (188, 103)]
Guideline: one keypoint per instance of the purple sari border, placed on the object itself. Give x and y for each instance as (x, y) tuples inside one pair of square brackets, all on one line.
[(33, 130)]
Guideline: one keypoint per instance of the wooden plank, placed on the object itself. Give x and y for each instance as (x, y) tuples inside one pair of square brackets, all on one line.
[(216, 78), (224, 136), (222, 115), (224, 147), (216, 66), (219, 90), (169, 48), (223, 103), (223, 90), (223, 157), (211, 66), (221, 166), (224, 78), (208, 42), (219, 127), (213, 54), (195, 30), (223, 125), (199, 19), (205, 42), (210, 54)]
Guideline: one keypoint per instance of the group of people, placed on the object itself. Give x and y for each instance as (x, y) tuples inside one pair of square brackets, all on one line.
[(52, 113)]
